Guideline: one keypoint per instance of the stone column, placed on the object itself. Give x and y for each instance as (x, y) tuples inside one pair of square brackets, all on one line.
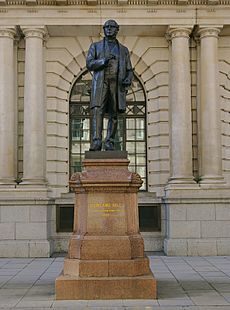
[(180, 107), (210, 124), (7, 106), (34, 146)]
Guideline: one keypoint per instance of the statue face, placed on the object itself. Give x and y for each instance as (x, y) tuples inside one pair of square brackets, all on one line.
[(111, 29)]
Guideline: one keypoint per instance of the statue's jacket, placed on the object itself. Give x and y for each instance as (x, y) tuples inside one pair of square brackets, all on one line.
[(95, 62)]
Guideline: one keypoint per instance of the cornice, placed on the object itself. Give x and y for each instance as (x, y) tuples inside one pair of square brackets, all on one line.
[(97, 3)]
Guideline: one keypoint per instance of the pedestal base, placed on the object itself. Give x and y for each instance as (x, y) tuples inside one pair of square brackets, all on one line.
[(106, 251), (141, 287)]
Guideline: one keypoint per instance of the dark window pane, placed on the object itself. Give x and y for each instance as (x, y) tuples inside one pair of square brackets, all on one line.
[(149, 218), (65, 216)]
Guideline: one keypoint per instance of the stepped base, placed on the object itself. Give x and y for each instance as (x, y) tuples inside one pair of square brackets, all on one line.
[(76, 288)]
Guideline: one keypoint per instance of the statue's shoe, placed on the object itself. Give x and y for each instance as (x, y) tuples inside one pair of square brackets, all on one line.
[(109, 146), (95, 146)]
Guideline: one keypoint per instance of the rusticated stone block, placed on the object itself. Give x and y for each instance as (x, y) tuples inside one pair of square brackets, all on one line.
[(223, 247), (176, 247), (31, 231), (202, 247), (15, 214), (184, 229)]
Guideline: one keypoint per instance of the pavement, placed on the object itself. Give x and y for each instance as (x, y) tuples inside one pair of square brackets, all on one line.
[(184, 283)]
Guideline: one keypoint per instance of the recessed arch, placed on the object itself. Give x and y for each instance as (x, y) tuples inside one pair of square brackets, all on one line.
[(131, 133)]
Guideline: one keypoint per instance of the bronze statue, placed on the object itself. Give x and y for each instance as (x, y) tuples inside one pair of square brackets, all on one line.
[(112, 74)]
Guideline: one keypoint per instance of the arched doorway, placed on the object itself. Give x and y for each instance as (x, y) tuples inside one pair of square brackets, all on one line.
[(131, 133)]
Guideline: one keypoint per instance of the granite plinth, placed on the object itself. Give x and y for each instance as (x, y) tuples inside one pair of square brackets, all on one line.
[(106, 251), (106, 154), (106, 268), (70, 287)]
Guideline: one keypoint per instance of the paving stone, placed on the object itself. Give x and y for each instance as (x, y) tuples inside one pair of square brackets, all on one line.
[(205, 268), (221, 287), (140, 302), (176, 302), (195, 285), (44, 297), (166, 277), (19, 292), (19, 260), (214, 280), (213, 308), (105, 303), (171, 283), (69, 303), (212, 274), (32, 294), (22, 280), (178, 280), (109, 308), (78, 307), (5, 278), (34, 303), (9, 301), (15, 265), (59, 259), (161, 308), (34, 308), (226, 295), (210, 298), (8, 272)]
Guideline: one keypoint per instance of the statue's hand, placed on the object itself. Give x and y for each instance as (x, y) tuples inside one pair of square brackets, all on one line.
[(126, 82), (108, 58)]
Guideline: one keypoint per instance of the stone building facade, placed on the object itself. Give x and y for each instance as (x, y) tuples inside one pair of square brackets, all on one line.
[(180, 52)]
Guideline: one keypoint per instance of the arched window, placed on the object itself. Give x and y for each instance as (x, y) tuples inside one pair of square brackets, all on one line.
[(131, 132)]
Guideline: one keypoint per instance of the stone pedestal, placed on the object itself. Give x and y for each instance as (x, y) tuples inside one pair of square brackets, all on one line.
[(106, 251)]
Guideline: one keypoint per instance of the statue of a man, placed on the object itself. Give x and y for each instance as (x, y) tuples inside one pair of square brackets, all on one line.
[(112, 74)]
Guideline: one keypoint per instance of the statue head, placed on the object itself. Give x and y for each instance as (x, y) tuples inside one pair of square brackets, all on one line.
[(111, 29)]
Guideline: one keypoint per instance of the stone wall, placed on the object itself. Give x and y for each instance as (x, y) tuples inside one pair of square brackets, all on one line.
[(197, 226), (25, 227)]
